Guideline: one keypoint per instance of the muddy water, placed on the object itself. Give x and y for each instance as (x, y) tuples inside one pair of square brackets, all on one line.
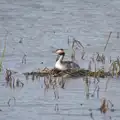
[(44, 26)]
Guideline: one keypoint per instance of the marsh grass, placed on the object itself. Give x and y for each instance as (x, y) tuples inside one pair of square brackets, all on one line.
[(107, 41), (2, 57), (100, 58), (11, 81), (55, 79), (54, 84), (76, 44), (97, 58), (24, 59), (115, 67), (4, 50)]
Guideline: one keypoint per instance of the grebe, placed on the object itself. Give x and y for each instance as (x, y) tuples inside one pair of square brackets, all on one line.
[(64, 65)]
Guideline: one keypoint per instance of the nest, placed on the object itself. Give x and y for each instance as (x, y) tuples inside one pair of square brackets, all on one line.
[(69, 73)]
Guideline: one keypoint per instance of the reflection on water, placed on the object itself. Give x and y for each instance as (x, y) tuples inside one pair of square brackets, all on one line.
[(63, 98)]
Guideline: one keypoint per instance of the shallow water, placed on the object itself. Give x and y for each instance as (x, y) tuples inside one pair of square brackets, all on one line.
[(43, 27)]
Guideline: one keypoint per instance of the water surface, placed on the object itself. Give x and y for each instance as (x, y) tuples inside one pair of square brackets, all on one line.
[(43, 27)]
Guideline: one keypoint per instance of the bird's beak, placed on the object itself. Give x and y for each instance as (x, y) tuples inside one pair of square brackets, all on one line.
[(54, 51)]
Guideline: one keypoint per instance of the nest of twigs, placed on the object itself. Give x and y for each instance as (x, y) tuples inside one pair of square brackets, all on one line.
[(69, 73)]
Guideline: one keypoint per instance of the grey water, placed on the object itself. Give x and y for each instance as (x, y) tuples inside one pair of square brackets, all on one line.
[(43, 26)]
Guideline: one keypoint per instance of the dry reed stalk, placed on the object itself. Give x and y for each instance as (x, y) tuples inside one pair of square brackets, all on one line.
[(11, 81), (8, 75), (107, 41), (89, 66), (68, 42), (83, 54), (19, 83), (73, 55), (110, 59), (115, 68), (78, 43), (24, 59)]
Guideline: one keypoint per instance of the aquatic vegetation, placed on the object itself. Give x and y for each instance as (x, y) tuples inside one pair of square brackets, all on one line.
[(107, 41), (52, 76), (54, 79), (11, 80), (115, 67), (24, 59), (2, 57), (70, 73)]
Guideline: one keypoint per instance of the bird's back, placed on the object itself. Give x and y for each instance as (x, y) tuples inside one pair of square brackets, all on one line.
[(70, 65)]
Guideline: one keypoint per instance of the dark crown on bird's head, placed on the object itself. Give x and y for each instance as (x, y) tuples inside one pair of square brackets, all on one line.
[(60, 52)]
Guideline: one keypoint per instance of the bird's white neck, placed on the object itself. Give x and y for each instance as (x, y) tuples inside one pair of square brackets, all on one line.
[(59, 64), (60, 58)]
